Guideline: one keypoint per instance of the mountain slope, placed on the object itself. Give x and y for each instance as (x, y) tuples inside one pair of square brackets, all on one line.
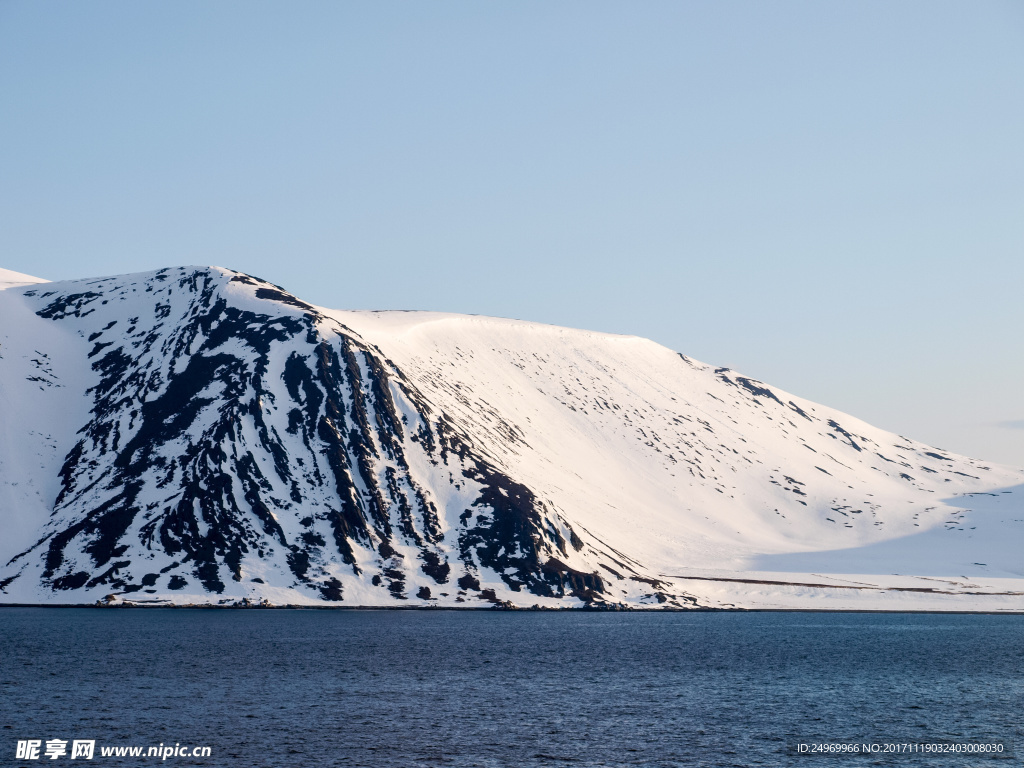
[(198, 435)]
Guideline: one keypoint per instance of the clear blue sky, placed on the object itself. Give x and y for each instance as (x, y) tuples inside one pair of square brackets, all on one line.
[(827, 196)]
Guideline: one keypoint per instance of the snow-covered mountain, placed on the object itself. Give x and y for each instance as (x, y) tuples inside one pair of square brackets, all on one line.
[(196, 435)]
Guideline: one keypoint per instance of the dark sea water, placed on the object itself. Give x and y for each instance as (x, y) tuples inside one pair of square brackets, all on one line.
[(460, 688)]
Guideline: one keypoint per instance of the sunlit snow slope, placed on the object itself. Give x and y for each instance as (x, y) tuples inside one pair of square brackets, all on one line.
[(196, 435)]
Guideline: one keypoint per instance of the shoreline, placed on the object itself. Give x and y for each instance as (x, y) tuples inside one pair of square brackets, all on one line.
[(491, 608)]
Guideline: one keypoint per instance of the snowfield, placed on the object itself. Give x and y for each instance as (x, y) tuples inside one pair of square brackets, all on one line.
[(196, 435)]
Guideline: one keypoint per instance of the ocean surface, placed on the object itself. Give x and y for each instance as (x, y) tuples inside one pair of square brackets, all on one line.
[(311, 688)]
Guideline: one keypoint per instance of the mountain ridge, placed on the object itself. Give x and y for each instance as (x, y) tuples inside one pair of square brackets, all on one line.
[(241, 444)]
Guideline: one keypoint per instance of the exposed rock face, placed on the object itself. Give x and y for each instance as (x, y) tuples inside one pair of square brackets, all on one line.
[(242, 444)]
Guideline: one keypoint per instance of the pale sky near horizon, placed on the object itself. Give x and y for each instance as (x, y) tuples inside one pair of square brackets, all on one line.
[(828, 197)]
